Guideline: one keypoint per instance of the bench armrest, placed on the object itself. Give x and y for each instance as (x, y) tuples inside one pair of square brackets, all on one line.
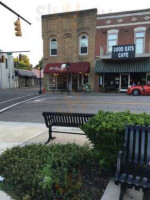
[(119, 159)]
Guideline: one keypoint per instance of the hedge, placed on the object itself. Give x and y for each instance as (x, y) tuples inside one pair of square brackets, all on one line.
[(106, 132), (38, 172)]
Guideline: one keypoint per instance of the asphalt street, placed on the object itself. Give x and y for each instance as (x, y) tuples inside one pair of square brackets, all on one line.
[(11, 98), (32, 106)]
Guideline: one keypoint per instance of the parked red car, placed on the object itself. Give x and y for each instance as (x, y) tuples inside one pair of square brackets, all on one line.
[(139, 90)]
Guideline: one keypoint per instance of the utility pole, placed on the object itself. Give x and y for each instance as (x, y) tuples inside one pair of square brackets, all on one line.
[(40, 91)]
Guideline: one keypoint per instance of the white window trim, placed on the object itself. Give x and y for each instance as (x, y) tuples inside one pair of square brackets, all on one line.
[(83, 54), (137, 30), (113, 31), (50, 47)]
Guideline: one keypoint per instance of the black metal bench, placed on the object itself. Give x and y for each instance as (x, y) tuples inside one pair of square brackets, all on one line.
[(64, 119), (133, 163)]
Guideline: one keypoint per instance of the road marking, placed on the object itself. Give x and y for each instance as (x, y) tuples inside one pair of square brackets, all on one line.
[(16, 104), (97, 103), (15, 98)]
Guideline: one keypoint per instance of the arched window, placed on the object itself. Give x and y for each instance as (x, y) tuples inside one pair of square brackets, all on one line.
[(83, 45), (53, 47)]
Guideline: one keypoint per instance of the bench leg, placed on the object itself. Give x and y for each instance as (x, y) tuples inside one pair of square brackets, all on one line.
[(50, 136), (122, 191)]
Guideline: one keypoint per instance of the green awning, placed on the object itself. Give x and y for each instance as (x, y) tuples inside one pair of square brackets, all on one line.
[(122, 67)]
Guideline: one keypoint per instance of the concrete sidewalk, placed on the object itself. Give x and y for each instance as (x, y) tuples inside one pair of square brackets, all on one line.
[(16, 133), (4, 196)]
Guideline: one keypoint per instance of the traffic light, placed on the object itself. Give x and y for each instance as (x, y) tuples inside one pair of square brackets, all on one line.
[(18, 28), (2, 59), (20, 57)]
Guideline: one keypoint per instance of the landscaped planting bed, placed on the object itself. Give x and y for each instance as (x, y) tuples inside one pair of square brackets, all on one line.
[(56, 172)]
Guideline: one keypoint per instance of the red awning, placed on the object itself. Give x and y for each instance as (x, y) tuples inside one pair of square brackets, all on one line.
[(53, 68)]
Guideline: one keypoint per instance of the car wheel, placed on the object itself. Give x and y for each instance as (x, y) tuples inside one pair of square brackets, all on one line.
[(136, 92)]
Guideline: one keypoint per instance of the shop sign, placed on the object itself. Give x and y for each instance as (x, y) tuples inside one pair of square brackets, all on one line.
[(123, 51), (56, 69)]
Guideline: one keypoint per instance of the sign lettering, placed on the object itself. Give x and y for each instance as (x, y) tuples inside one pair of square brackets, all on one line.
[(123, 51)]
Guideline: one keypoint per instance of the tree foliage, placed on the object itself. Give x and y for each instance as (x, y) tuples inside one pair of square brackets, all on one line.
[(40, 64), (23, 64)]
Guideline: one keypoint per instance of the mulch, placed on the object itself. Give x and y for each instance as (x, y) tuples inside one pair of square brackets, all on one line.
[(94, 182)]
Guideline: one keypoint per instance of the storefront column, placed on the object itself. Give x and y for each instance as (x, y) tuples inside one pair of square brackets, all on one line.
[(129, 81), (78, 80), (56, 81), (82, 79), (146, 77), (47, 80), (119, 82), (103, 80), (89, 79), (70, 82)]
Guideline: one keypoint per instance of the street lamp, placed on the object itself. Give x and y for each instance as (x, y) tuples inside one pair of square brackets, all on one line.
[(40, 91), (66, 66)]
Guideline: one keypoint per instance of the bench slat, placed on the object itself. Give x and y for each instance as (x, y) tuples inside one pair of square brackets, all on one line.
[(148, 145), (137, 137), (142, 145), (131, 144)]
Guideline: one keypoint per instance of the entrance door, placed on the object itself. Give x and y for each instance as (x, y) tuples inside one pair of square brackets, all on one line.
[(124, 82), (75, 82)]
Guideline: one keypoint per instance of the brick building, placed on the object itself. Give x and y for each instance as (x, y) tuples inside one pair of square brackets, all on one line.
[(69, 49), (122, 50)]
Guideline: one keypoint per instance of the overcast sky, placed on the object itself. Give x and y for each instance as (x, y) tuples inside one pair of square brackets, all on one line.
[(32, 11)]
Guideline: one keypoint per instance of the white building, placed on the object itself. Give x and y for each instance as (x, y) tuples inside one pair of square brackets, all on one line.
[(7, 72)]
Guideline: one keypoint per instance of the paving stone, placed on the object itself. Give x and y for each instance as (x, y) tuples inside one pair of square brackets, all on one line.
[(4, 196), (112, 192)]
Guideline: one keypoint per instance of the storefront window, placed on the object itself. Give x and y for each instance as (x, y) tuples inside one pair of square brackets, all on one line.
[(62, 82), (86, 78), (111, 80), (52, 81), (138, 78)]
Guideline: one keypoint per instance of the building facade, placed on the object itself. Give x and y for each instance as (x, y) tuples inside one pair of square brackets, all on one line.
[(7, 72), (24, 78), (39, 77), (69, 49), (122, 56)]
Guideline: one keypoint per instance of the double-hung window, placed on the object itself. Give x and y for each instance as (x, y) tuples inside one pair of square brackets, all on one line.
[(53, 47), (140, 42), (139, 38), (112, 41), (84, 45)]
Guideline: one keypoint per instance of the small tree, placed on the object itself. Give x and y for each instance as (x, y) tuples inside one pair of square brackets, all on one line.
[(40, 64), (24, 63)]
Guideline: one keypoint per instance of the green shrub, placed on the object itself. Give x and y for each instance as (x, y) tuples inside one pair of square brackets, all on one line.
[(106, 132), (40, 172)]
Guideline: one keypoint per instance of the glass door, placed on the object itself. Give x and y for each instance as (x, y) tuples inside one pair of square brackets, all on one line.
[(124, 82), (75, 82)]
